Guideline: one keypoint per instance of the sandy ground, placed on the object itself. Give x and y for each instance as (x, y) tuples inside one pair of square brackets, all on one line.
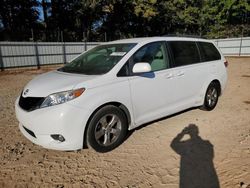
[(146, 159)]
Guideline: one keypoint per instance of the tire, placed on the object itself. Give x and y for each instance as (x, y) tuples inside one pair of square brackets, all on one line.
[(211, 97), (107, 129)]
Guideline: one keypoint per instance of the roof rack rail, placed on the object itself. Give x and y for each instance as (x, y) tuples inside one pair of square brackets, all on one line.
[(183, 35)]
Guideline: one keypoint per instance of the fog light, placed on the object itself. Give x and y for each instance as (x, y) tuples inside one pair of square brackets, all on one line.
[(58, 137)]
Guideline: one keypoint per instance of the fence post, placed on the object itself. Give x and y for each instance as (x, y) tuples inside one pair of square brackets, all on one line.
[(85, 45), (64, 52), (1, 59), (37, 56), (240, 46), (105, 37)]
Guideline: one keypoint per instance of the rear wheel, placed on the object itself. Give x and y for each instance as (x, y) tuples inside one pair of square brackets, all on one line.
[(211, 97), (107, 129)]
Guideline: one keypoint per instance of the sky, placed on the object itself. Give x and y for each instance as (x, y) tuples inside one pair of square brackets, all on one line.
[(41, 17), (40, 9)]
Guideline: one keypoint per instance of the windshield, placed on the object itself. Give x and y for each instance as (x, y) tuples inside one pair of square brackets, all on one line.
[(98, 60)]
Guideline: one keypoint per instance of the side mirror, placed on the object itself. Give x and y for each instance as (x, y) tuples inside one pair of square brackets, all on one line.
[(141, 67)]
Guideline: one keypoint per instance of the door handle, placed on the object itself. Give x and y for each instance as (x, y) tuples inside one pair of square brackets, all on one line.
[(169, 75), (181, 73)]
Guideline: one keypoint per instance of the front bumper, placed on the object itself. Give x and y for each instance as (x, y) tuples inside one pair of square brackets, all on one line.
[(64, 119)]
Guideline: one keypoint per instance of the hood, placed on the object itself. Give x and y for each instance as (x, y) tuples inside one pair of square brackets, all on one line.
[(53, 82)]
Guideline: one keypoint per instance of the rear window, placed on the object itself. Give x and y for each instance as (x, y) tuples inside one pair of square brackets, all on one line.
[(184, 52), (208, 51)]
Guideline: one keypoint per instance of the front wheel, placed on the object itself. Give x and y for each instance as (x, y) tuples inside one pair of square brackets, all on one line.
[(211, 97), (107, 129)]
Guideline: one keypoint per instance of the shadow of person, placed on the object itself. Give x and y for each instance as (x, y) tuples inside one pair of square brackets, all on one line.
[(196, 166)]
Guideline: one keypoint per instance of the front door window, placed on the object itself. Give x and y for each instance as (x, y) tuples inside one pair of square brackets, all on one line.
[(154, 54)]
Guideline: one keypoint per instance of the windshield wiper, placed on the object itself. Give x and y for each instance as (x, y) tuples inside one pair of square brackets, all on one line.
[(63, 69)]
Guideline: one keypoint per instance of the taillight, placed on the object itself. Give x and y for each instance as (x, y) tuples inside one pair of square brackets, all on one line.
[(226, 63)]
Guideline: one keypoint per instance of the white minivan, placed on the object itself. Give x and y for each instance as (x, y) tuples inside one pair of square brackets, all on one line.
[(117, 86)]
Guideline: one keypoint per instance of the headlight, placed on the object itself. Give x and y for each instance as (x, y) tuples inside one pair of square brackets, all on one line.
[(61, 97)]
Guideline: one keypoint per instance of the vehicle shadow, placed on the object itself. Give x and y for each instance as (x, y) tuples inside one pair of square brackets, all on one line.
[(196, 163)]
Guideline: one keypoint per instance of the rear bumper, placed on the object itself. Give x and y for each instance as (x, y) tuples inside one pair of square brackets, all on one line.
[(223, 82), (65, 119)]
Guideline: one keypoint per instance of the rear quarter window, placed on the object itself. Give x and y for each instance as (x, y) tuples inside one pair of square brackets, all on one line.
[(184, 53), (208, 51)]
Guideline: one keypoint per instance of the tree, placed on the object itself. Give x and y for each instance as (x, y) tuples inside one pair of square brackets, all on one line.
[(96, 20), (18, 17), (87, 12), (231, 18)]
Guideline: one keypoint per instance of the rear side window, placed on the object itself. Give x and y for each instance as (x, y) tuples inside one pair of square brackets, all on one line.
[(184, 53), (208, 51)]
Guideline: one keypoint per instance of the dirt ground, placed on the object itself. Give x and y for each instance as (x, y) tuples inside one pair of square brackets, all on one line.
[(147, 158)]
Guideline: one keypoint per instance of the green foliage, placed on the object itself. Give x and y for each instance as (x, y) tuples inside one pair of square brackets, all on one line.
[(97, 20), (146, 9)]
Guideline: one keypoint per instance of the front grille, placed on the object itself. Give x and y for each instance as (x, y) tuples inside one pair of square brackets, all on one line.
[(30, 103), (30, 132)]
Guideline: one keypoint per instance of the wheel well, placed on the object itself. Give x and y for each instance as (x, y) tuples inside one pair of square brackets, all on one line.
[(217, 82), (117, 104)]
